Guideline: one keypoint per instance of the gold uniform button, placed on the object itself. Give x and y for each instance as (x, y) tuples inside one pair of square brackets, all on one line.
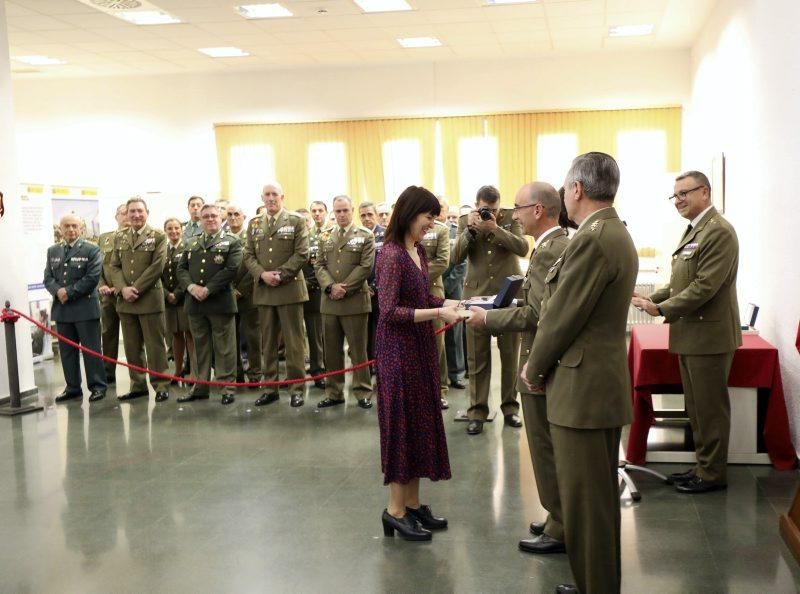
[(491, 277), (489, 252), (201, 271), (527, 351), (674, 257), (270, 249), (270, 261), (701, 317), (203, 261)]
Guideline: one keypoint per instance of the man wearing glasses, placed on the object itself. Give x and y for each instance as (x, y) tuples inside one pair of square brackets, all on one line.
[(701, 307), (492, 243)]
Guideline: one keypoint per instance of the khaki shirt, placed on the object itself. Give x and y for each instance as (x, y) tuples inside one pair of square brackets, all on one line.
[(139, 262), (282, 248), (700, 302), (346, 258), (491, 257), (437, 249)]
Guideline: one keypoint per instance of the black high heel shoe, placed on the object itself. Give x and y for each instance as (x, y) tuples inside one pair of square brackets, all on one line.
[(425, 517), (408, 527)]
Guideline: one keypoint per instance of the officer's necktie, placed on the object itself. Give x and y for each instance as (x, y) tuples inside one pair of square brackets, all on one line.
[(67, 249), (688, 230)]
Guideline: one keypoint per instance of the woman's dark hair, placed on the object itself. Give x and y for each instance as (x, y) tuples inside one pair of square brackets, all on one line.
[(563, 218), (413, 201)]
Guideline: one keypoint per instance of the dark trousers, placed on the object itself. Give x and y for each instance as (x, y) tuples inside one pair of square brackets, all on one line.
[(586, 467), (313, 320), (110, 323), (372, 328), (86, 333), (454, 347)]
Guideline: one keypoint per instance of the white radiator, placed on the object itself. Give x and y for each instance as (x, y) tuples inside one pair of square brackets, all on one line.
[(640, 317)]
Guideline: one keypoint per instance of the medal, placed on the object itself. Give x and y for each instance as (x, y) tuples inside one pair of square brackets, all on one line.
[(219, 259)]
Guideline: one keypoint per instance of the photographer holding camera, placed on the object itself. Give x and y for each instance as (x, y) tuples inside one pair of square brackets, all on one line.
[(492, 243)]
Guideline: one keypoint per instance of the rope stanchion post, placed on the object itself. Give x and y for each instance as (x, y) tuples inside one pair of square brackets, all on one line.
[(15, 407)]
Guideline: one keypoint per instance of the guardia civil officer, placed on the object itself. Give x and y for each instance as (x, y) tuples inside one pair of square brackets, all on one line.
[(70, 276)]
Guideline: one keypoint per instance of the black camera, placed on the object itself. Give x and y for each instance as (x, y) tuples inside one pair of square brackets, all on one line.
[(485, 213)]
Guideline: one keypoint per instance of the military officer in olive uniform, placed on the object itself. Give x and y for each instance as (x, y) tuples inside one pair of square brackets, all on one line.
[(492, 243), (701, 307), (175, 318), (207, 270), (580, 354), (73, 269), (247, 316), (342, 268), (109, 319), (277, 248), (536, 208), (136, 267), (318, 235), (437, 250)]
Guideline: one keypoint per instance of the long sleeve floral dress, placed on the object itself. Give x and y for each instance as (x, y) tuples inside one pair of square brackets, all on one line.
[(413, 442)]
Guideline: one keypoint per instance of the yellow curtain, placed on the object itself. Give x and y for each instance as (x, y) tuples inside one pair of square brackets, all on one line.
[(364, 139)]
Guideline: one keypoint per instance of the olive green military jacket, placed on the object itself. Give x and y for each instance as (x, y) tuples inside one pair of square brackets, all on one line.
[(526, 317), (106, 244), (491, 257), (283, 249), (316, 239), (212, 264), (169, 279), (346, 259), (437, 249), (700, 302), (580, 346), (139, 263)]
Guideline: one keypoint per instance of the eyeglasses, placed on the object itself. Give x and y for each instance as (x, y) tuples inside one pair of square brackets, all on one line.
[(683, 194), (516, 208)]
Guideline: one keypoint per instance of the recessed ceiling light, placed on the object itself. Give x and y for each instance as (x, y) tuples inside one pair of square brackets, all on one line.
[(40, 60), (499, 2), (223, 52), (148, 17), (382, 5), (419, 42), (263, 11), (630, 30)]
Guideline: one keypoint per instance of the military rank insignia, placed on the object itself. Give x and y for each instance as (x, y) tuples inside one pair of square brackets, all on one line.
[(594, 225)]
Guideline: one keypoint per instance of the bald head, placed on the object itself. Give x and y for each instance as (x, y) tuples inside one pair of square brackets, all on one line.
[(70, 226), (546, 195), (536, 208)]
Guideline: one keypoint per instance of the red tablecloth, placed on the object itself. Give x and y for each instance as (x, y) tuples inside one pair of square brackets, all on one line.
[(755, 365)]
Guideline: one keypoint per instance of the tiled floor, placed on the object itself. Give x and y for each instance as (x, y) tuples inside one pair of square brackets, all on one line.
[(140, 497)]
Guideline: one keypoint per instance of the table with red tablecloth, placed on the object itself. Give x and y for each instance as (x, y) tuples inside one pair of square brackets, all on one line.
[(755, 365)]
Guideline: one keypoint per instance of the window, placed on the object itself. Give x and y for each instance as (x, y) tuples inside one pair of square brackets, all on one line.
[(402, 167), (252, 165), (554, 155), (327, 171), (477, 166)]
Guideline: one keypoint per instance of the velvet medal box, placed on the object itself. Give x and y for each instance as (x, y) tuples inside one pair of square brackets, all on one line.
[(505, 296)]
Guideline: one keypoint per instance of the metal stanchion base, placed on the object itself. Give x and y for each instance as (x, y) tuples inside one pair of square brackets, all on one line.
[(10, 411)]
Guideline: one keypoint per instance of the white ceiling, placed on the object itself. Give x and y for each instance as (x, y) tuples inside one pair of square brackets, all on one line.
[(95, 44)]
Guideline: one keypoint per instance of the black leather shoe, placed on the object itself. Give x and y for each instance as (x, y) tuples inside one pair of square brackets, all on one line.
[(681, 477), (364, 403), (64, 396), (228, 399), (445, 404), (474, 427), (162, 396), (458, 384), (267, 398), (566, 589), (513, 420), (327, 402), (193, 397), (542, 545), (297, 400), (696, 485), (537, 528), (132, 395), (425, 517), (320, 383), (408, 527), (97, 395)]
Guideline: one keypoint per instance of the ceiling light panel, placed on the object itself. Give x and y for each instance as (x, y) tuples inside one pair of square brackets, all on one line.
[(382, 5), (137, 12), (40, 60), (223, 52), (263, 11), (630, 30), (413, 42)]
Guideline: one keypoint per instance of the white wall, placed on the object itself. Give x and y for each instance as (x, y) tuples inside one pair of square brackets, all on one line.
[(744, 98), (129, 135)]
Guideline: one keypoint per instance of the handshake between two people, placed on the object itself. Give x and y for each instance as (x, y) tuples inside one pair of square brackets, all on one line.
[(644, 304), (453, 311)]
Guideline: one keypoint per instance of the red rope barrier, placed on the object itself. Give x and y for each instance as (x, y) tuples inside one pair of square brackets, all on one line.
[(271, 384)]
